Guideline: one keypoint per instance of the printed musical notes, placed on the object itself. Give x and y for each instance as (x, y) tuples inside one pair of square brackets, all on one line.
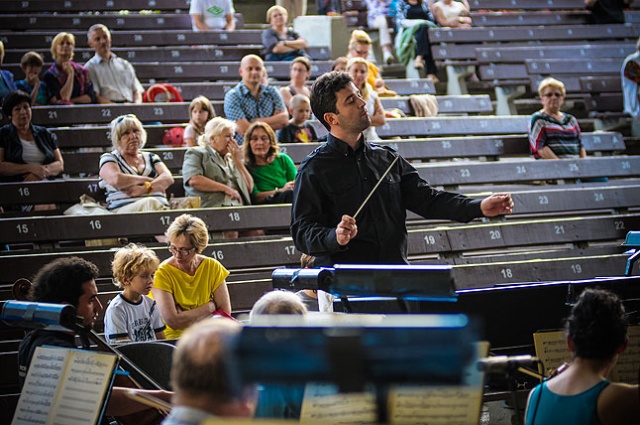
[(65, 386)]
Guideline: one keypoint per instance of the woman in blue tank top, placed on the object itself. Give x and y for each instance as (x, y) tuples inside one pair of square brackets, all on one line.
[(582, 394)]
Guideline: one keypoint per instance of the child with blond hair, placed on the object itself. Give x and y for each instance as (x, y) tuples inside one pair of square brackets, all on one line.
[(299, 129), (132, 315)]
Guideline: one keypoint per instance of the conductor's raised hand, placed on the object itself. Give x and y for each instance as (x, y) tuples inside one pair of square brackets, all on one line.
[(346, 230), (497, 204)]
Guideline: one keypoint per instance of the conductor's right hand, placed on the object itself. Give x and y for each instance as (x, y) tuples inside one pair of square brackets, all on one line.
[(346, 230)]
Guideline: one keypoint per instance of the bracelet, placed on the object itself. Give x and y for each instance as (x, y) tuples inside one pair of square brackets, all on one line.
[(148, 186)]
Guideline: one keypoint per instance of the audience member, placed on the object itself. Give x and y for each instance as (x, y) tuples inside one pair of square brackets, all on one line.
[(189, 286), (360, 47), (339, 64), (413, 19), (378, 10), (215, 170), (71, 280), (279, 400), (335, 179), (132, 316), (582, 394), (357, 68), (294, 8), (607, 11), (6, 77), (205, 387), (207, 15), (113, 78), (299, 129), (67, 81), (134, 180), (273, 172), (31, 64), (251, 101), (631, 88), (314, 300), (328, 7), (554, 134), (280, 42), (200, 113), (27, 152), (300, 71), (452, 13)]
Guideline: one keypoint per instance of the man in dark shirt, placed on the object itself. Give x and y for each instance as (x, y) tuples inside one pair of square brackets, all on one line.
[(71, 280), (335, 179), (607, 11)]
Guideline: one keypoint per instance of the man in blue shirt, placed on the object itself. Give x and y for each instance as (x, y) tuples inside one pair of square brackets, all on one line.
[(251, 101)]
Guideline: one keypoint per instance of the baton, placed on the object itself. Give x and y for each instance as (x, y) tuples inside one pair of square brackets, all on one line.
[(375, 187)]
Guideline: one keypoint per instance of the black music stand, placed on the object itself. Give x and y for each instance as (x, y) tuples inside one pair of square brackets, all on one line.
[(404, 282), (401, 349)]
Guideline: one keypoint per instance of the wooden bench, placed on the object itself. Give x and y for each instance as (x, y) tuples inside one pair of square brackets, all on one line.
[(490, 147), (70, 22), (39, 40), (515, 18), (32, 6)]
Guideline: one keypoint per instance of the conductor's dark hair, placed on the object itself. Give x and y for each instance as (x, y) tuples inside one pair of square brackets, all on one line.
[(597, 324), (323, 94), (61, 280)]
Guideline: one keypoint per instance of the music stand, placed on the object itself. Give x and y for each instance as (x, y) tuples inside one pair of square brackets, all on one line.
[(418, 349), (404, 282)]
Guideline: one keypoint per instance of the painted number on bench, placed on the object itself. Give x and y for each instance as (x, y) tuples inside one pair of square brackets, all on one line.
[(576, 268), (446, 145), (24, 191), (181, 37), (465, 172), (559, 230), (543, 200), (574, 167), (23, 228), (234, 216), (165, 220), (92, 187), (626, 165), (168, 156), (430, 240), (158, 111), (521, 169), (619, 225), (224, 69), (290, 249), (177, 70), (598, 197), (95, 224), (495, 235), (218, 255), (105, 113), (506, 273), (53, 115)]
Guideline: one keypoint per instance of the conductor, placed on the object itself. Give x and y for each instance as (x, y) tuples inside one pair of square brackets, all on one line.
[(336, 178)]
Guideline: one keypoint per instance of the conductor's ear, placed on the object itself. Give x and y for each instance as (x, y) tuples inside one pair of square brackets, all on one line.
[(331, 118)]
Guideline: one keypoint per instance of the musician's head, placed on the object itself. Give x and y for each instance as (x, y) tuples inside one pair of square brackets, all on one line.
[(69, 280), (278, 302), (597, 326), (201, 376)]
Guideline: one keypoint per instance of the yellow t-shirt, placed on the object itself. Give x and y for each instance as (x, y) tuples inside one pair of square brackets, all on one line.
[(188, 291)]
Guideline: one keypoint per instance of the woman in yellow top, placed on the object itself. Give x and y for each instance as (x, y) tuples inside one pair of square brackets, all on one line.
[(359, 47), (189, 286)]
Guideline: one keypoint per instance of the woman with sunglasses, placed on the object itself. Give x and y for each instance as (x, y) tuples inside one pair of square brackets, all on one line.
[(554, 134), (134, 180), (188, 286)]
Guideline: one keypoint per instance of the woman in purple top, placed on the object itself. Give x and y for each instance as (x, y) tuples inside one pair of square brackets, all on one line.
[(68, 81)]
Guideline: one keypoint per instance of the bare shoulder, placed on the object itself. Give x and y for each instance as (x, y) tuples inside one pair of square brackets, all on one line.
[(618, 404)]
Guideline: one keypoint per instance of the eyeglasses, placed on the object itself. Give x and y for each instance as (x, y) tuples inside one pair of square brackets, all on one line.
[(181, 251), (122, 117), (552, 95)]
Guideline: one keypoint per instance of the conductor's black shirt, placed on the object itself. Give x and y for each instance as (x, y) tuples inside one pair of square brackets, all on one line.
[(334, 180)]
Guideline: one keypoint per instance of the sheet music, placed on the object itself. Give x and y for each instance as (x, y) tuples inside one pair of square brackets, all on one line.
[(323, 403), (64, 387), (40, 390), (443, 405), (551, 349), (626, 370)]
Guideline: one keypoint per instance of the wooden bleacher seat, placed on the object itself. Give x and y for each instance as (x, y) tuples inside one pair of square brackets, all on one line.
[(490, 147), (70, 22), (521, 17), (98, 5)]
